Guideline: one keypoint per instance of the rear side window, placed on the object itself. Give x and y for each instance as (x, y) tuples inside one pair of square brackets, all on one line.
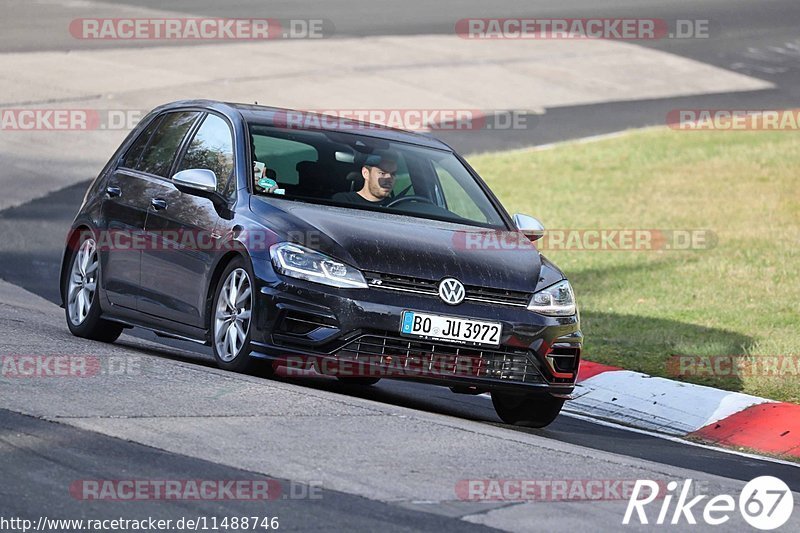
[(212, 149), (282, 156), (131, 159), (158, 155)]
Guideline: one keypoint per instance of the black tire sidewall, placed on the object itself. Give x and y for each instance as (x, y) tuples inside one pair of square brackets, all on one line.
[(526, 410)]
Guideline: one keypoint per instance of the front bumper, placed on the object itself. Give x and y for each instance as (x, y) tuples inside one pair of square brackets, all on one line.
[(355, 332)]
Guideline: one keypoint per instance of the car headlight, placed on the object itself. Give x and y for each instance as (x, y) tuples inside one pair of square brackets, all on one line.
[(300, 262), (555, 300)]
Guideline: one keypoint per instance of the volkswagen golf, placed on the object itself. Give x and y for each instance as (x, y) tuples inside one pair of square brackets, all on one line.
[(313, 242)]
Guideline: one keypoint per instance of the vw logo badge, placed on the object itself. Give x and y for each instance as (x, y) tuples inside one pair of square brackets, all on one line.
[(451, 291)]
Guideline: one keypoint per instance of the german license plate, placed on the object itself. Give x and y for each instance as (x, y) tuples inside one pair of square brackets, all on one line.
[(449, 328)]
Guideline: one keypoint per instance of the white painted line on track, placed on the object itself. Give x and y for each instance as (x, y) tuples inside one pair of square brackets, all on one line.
[(678, 440), (671, 438)]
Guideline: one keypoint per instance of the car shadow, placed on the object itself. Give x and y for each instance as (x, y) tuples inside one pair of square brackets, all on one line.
[(676, 349), (663, 347)]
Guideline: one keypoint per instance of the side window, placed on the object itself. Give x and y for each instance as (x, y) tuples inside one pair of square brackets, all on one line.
[(158, 156), (402, 180), (212, 149), (458, 200), (131, 159), (282, 156)]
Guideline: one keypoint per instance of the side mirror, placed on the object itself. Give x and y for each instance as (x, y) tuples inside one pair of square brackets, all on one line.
[(196, 181), (529, 226)]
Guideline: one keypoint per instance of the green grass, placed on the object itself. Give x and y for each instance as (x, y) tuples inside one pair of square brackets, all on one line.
[(638, 308)]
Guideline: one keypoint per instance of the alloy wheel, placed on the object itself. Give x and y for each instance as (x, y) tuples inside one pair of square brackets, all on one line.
[(232, 316), (82, 282)]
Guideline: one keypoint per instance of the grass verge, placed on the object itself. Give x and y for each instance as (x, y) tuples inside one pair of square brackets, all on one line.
[(737, 296)]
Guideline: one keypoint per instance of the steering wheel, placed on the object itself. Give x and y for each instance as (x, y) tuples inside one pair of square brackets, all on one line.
[(412, 198)]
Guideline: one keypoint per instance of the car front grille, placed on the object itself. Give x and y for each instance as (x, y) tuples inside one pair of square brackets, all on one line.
[(415, 358), (392, 282)]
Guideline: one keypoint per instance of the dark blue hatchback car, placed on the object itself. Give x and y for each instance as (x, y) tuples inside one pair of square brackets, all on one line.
[(362, 251)]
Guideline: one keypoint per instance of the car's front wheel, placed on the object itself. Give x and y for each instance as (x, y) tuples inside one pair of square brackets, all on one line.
[(232, 316), (80, 289), (526, 410)]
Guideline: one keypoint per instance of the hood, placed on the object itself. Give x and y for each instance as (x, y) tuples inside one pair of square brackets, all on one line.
[(406, 246)]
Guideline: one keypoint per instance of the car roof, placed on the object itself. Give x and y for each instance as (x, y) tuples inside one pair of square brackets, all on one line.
[(310, 121)]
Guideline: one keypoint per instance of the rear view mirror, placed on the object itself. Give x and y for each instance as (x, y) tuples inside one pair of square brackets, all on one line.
[(529, 226), (195, 180), (345, 157)]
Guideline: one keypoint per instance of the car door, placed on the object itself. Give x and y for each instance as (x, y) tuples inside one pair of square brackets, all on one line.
[(176, 274), (124, 210), (129, 193)]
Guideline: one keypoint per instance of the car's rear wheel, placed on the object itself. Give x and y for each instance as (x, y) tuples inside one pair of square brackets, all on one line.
[(232, 316), (526, 410), (81, 295)]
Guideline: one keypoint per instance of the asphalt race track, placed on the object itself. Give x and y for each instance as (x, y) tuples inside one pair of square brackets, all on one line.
[(386, 457)]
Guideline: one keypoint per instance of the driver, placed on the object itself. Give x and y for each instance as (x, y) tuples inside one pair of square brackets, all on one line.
[(379, 172)]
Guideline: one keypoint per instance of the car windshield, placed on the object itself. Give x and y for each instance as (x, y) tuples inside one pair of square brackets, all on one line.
[(362, 172)]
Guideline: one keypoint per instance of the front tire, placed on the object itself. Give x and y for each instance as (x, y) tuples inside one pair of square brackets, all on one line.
[(232, 316), (81, 297), (525, 410)]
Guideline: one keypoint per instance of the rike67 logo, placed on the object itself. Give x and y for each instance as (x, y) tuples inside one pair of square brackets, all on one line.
[(766, 503)]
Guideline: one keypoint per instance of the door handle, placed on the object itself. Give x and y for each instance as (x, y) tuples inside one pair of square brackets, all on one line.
[(158, 204), (113, 192)]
